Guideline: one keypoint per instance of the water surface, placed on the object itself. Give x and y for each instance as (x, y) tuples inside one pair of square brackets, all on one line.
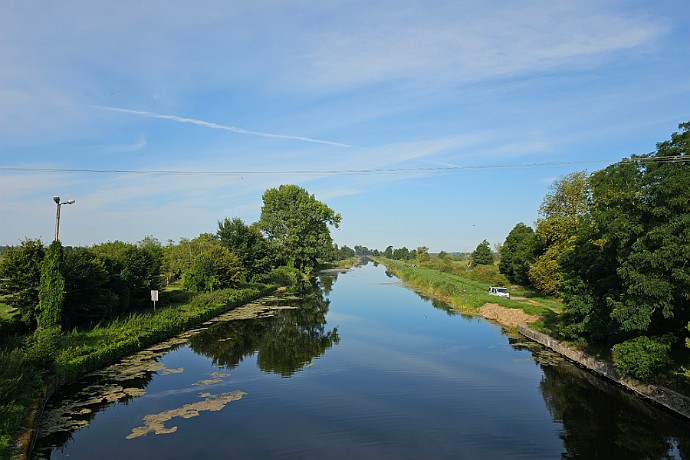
[(360, 368)]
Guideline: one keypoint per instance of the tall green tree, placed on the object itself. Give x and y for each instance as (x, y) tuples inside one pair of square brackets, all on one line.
[(20, 277), (557, 226), (628, 273), (51, 292), (517, 254), (296, 224), (482, 254)]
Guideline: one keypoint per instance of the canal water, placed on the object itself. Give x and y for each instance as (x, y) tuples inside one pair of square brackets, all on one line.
[(360, 368)]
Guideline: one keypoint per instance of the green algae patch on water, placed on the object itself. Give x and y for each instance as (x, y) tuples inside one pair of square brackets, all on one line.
[(156, 422)]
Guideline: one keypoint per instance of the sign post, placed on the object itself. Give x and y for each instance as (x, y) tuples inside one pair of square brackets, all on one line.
[(154, 298)]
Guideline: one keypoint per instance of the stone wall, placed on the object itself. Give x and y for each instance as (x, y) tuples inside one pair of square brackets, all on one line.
[(658, 395)]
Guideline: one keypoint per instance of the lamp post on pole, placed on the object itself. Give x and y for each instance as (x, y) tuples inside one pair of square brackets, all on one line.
[(56, 199)]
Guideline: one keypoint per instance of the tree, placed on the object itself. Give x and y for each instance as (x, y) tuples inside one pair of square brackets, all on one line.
[(133, 272), (20, 277), (247, 243), (88, 298), (628, 272), (423, 254), (296, 225), (216, 268), (179, 258), (51, 292), (557, 225), (401, 253), (482, 254), (518, 253)]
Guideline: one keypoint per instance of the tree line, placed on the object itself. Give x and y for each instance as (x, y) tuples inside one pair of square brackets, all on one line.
[(615, 245), (65, 287)]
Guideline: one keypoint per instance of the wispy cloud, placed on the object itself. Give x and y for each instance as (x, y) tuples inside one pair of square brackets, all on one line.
[(212, 125)]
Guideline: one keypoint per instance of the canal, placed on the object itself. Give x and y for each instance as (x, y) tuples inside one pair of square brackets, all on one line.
[(359, 368)]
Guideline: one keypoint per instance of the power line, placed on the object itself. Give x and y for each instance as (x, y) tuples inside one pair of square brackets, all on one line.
[(365, 171)]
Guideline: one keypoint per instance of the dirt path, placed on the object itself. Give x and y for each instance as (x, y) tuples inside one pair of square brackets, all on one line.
[(510, 317)]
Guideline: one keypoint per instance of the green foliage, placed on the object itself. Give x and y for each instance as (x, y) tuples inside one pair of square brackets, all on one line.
[(557, 225), (422, 254), (482, 254), (133, 271), (518, 253), (282, 276), (20, 275), (628, 270), (20, 381), (216, 268), (642, 357), (179, 258), (88, 297), (485, 274), (51, 291), (247, 243), (296, 225)]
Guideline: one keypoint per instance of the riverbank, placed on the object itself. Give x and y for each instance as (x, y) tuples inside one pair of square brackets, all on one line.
[(75, 353), (469, 297), (654, 394)]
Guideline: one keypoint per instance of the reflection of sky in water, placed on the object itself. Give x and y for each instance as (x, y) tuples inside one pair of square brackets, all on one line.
[(406, 380)]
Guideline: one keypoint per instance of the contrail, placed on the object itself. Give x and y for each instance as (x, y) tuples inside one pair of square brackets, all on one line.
[(212, 125)]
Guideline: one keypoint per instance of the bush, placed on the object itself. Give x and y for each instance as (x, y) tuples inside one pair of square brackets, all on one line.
[(281, 276), (642, 357)]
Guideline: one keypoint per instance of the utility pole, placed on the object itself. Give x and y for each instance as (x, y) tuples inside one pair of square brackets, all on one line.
[(56, 199)]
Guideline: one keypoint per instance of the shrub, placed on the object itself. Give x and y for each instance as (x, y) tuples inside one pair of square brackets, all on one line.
[(643, 356)]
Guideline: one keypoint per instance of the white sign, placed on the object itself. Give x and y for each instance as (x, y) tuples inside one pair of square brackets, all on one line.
[(154, 296)]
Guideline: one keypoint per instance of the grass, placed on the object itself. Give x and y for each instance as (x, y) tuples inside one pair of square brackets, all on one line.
[(52, 356), (463, 293)]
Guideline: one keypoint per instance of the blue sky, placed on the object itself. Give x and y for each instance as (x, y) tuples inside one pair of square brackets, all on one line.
[(436, 123)]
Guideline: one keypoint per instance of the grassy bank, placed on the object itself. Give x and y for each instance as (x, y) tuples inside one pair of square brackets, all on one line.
[(463, 293), (54, 357)]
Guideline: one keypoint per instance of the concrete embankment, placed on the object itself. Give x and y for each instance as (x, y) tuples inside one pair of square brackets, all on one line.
[(657, 395)]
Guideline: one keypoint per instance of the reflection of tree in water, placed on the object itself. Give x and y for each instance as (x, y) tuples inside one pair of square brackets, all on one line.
[(284, 343), (590, 409), (327, 281)]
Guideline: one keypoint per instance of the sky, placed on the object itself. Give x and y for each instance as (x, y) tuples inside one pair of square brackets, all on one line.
[(423, 123)]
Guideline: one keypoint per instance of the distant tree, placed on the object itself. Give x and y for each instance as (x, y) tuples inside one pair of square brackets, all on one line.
[(296, 225), (517, 254), (388, 252), (401, 253), (361, 250), (345, 253), (482, 254), (51, 292), (20, 277), (216, 268), (423, 254), (557, 225)]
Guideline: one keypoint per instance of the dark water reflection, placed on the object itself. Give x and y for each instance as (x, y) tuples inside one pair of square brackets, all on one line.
[(283, 343), (358, 368)]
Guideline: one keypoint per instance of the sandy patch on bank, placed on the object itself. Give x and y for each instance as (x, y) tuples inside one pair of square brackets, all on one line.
[(510, 317)]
